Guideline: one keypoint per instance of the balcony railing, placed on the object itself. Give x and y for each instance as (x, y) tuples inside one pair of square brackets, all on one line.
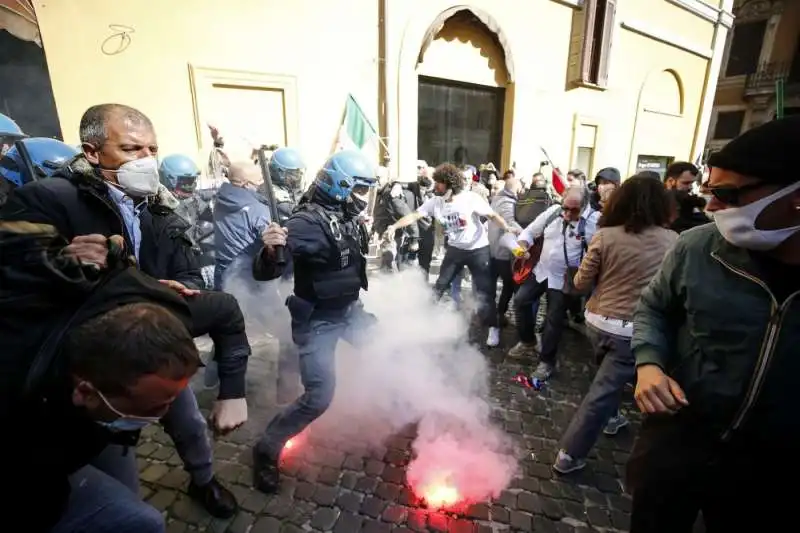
[(763, 81)]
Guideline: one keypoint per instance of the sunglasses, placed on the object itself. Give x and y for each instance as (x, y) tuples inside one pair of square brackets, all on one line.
[(733, 195)]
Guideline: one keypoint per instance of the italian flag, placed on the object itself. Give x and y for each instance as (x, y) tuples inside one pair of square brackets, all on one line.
[(357, 132)]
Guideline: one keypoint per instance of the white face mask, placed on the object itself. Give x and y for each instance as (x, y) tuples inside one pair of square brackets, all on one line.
[(737, 224), (138, 178)]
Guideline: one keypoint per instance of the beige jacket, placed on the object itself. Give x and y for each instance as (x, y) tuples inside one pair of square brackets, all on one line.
[(621, 265)]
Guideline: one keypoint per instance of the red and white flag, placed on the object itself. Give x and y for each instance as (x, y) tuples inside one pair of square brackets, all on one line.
[(559, 181)]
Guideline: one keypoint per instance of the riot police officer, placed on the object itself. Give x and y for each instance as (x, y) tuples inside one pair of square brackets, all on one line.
[(179, 174), (9, 132), (30, 159), (286, 168), (328, 245)]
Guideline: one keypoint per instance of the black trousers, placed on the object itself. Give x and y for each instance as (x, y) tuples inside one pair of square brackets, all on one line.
[(427, 239), (479, 264), (218, 315), (678, 468), (526, 307), (501, 268)]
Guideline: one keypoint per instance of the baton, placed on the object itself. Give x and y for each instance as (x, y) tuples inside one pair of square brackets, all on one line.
[(280, 252)]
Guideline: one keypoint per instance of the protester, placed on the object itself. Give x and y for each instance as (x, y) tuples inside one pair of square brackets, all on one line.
[(459, 212), (681, 176), (504, 205), (605, 183), (623, 256), (566, 231), (715, 341), (104, 358), (113, 188)]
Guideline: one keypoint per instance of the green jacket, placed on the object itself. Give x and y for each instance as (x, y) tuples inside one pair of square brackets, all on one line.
[(710, 322)]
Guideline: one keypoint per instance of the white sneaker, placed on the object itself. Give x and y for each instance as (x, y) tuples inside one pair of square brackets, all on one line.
[(494, 337)]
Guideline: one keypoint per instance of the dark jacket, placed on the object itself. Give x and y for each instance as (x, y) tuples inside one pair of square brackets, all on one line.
[(41, 293), (80, 205), (710, 319), (393, 203)]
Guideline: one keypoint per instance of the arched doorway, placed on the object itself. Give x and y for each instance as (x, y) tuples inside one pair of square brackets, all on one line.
[(659, 128), (455, 94), (462, 80)]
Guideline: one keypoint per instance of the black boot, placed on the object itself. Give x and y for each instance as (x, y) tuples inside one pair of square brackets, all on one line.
[(266, 474), (216, 499)]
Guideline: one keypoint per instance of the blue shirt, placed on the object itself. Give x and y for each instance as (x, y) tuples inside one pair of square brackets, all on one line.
[(130, 216)]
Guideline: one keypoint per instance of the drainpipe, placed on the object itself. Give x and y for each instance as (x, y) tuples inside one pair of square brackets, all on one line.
[(721, 27), (383, 98)]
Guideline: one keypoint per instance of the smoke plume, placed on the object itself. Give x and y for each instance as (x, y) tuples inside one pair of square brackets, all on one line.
[(416, 366)]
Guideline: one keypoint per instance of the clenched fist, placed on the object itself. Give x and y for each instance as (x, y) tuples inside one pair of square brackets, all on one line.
[(274, 235), (91, 249)]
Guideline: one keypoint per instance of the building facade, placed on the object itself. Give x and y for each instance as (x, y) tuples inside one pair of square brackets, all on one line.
[(760, 75), (593, 83)]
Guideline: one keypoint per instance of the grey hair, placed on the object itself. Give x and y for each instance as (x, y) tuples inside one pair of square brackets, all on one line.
[(578, 191), (92, 128)]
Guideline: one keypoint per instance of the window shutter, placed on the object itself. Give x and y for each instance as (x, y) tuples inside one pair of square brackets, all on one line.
[(609, 17), (580, 44)]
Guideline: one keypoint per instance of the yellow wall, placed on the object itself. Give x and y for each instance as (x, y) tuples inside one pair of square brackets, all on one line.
[(320, 53), (303, 39)]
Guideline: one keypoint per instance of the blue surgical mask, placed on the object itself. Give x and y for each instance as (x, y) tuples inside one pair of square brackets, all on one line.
[(123, 424)]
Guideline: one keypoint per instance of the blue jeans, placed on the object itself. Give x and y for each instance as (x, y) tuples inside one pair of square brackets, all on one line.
[(455, 287), (316, 341), (100, 504), (187, 427), (617, 367)]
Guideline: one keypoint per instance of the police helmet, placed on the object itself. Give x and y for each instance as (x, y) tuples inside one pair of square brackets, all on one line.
[(34, 158), (346, 172), (286, 168), (179, 174), (9, 128)]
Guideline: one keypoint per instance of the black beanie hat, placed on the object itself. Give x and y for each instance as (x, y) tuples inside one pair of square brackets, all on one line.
[(609, 174), (768, 152)]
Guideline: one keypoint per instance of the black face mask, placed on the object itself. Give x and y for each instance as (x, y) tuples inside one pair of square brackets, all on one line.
[(354, 206)]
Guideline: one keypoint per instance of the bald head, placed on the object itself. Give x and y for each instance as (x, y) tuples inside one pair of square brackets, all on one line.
[(512, 184), (93, 127), (245, 174)]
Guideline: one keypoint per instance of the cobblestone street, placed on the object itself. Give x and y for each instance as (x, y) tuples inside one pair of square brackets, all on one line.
[(340, 485)]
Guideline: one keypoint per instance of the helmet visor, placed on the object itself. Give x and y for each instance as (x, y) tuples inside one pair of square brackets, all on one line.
[(293, 178), (186, 185)]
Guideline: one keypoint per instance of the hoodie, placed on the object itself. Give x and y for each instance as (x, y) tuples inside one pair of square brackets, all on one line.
[(240, 216)]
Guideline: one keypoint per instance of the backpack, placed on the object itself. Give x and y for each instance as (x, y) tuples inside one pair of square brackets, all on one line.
[(532, 204)]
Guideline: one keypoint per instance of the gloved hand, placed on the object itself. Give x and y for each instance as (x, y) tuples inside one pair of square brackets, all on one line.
[(227, 415), (413, 246)]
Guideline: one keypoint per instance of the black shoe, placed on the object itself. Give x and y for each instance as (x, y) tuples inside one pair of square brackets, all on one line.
[(266, 474), (216, 499)]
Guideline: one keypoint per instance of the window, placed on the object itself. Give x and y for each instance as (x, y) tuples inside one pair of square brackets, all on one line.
[(745, 50), (729, 124), (590, 43), (653, 163), (459, 122)]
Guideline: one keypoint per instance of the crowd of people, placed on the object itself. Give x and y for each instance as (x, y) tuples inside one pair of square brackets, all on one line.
[(114, 261)]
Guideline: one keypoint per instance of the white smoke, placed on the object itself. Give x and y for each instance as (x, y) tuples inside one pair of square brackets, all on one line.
[(417, 367)]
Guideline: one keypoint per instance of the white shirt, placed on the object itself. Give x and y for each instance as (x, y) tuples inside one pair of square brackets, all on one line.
[(551, 266), (460, 219)]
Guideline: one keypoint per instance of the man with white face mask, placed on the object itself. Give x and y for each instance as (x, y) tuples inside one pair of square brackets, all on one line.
[(113, 189), (716, 340)]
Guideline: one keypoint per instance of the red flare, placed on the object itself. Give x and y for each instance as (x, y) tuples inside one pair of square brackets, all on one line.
[(440, 495)]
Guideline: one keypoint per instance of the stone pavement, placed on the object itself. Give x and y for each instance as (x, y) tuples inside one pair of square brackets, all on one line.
[(335, 485)]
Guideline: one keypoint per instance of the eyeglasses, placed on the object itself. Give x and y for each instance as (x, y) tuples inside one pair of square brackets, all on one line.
[(732, 195), (573, 210)]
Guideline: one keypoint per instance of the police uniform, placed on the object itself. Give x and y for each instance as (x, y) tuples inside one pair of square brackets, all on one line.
[(328, 245)]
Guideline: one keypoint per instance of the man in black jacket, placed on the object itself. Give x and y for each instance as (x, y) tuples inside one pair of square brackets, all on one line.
[(103, 354), (113, 189)]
